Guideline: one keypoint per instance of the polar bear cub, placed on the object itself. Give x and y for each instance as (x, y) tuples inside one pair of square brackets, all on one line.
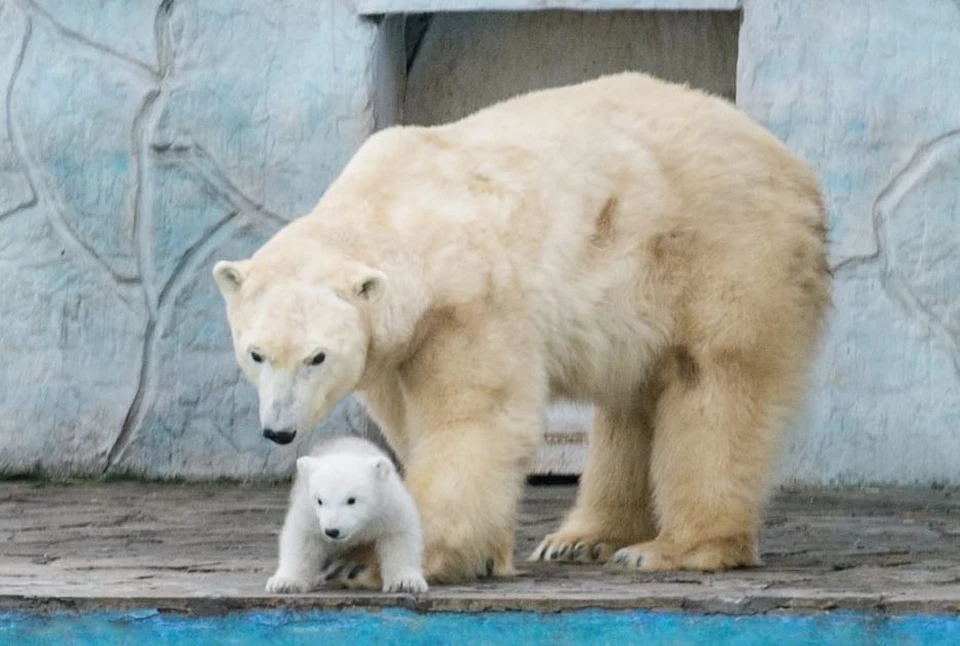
[(348, 493)]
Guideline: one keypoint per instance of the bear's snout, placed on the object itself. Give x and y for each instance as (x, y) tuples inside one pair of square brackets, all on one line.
[(280, 437)]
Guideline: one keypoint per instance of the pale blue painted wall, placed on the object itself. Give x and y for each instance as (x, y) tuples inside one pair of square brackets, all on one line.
[(141, 140), (869, 92)]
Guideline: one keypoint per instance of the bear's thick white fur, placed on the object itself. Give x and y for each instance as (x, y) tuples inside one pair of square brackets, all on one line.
[(349, 489), (628, 242)]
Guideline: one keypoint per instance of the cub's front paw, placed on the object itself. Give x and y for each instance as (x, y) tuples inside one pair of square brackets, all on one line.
[(410, 581), (281, 584)]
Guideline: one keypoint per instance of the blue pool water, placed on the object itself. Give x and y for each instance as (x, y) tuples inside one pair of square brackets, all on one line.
[(393, 626)]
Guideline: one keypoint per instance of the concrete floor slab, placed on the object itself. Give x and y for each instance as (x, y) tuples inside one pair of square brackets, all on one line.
[(210, 548)]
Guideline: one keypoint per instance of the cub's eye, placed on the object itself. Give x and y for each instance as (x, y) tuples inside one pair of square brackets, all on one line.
[(256, 356), (319, 502), (351, 501), (317, 359)]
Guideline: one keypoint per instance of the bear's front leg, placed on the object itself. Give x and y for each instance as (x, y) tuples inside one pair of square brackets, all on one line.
[(474, 401), (400, 555), (302, 553), (467, 491)]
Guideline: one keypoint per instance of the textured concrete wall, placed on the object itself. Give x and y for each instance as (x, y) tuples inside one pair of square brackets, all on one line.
[(141, 140), (869, 92)]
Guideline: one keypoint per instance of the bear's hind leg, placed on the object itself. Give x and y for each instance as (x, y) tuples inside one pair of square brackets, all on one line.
[(613, 505), (712, 450)]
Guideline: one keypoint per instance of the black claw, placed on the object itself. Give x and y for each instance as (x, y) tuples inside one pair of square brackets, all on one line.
[(489, 567), (563, 551), (335, 573), (595, 552), (355, 571), (639, 561), (619, 557), (578, 549)]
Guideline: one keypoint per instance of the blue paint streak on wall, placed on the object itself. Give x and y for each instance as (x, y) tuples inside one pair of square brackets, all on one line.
[(401, 626)]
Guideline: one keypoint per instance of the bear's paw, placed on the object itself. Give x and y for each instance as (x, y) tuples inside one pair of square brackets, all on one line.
[(410, 581), (565, 547), (351, 575), (282, 584)]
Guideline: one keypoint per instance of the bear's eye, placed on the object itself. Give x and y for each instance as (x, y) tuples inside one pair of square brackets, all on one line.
[(317, 359), (319, 502), (351, 501), (256, 356)]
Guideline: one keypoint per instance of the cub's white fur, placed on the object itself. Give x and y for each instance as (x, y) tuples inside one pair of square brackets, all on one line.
[(347, 493)]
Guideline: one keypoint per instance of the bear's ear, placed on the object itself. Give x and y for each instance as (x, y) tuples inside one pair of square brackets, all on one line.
[(229, 277), (382, 467), (368, 284), (305, 465)]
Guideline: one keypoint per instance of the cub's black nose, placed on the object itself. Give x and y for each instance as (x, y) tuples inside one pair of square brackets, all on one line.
[(332, 533), (280, 437)]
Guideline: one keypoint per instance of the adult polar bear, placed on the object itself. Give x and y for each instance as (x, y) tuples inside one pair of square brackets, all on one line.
[(624, 241)]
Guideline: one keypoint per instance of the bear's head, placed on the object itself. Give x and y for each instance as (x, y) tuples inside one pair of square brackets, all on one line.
[(345, 491), (299, 335)]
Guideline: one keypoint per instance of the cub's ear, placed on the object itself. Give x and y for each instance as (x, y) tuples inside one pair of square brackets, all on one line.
[(229, 277), (305, 466), (382, 467), (367, 284)]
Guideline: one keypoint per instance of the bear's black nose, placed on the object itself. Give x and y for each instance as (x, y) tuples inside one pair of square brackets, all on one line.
[(280, 437), (332, 533)]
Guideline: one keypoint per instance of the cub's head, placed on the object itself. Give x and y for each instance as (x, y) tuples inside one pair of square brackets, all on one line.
[(301, 340), (345, 491)]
